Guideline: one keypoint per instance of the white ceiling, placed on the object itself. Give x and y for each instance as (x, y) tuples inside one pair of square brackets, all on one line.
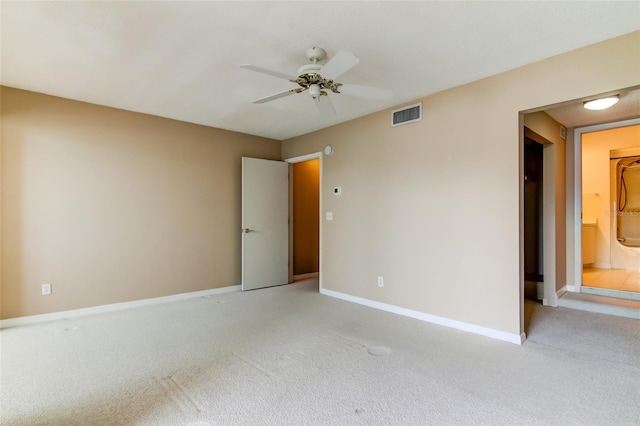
[(182, 60)]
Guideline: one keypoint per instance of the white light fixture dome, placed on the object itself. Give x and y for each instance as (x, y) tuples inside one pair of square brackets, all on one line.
[(602, 103), (314, 91)]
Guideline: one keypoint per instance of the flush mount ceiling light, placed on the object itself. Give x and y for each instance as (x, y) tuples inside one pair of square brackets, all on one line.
[(602, 103)]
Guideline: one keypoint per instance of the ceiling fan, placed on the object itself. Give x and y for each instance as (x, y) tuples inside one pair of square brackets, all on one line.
[(319, 79)]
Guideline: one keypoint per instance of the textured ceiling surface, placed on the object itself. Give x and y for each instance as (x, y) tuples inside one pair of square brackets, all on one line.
[(575, 115), (182, 60)]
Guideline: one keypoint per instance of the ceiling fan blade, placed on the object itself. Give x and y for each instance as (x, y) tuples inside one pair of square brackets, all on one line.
[(366, 92), (338, 65), (268, 72), (325, 106), (276, 96)]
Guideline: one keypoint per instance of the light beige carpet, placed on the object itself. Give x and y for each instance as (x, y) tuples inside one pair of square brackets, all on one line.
[(290, 356)]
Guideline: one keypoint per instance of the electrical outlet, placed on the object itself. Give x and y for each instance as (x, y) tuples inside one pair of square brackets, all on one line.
[(46, 289), (380, 282)]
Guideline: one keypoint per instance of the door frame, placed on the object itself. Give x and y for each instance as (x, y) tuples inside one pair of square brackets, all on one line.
[(576, 238), (548, 225), (300, 159)]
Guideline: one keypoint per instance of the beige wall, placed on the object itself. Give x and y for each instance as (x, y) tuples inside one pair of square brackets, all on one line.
[(544, 125), (434, 206), (111, 206), (596, 191), (306, 205)]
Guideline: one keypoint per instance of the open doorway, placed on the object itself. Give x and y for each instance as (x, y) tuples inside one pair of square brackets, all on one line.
[(304, 213), (533, 202), (563, 125), (542, 216), (608, 212), (305, 220)]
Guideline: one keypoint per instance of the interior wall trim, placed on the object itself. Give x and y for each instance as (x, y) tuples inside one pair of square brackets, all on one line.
[(615, 154), (562, 291), (518, 339), (75, 313)]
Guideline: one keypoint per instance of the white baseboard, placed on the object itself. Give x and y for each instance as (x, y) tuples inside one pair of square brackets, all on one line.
[(562, 291), (459, 325), (572, 288), (601, 265), (34, 319)]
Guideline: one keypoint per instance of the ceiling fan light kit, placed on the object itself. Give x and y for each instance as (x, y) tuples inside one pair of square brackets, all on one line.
[(314, 91), (320, 79)]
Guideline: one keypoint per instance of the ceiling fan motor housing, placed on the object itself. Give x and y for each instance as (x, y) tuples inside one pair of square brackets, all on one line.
[(308, 75)]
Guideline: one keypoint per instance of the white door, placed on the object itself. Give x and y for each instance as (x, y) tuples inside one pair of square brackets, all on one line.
[(265, 223)]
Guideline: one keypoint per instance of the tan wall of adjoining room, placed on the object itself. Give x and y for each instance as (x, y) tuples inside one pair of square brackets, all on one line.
[(596, 190), (306, 205), (434, 206), (111, 206)]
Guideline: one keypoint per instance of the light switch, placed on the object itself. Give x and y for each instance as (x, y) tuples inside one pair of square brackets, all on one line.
[(329, 215)]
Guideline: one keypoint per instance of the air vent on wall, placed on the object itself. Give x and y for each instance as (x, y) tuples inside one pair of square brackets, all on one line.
[(406, 115)]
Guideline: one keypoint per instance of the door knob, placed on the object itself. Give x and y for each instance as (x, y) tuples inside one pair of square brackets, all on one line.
[(247, 230)]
